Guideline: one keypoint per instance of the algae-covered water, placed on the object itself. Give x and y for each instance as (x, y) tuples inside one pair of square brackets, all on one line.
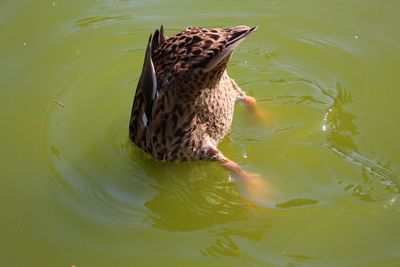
[(75, 192)]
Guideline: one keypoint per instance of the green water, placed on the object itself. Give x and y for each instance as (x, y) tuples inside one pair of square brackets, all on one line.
[(74, 191)]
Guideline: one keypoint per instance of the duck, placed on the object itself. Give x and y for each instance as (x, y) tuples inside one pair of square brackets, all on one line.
[(184, 101)]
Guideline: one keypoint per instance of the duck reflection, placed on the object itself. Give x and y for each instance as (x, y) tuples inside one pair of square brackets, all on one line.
[(199, 196), (191, 195)]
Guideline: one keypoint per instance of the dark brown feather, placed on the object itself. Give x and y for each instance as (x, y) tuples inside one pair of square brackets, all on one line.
[(191, 108)]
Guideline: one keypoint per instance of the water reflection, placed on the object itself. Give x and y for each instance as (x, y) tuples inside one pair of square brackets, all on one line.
[(298, 202), (298, 260), (191, 195), (339, 128), (199, 195), (224, 246), (338, 124), (55, 152)]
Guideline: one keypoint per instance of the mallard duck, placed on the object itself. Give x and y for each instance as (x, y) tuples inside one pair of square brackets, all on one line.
[(184, 101)]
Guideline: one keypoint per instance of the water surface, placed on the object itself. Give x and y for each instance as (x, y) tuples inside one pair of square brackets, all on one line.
[(74, 191)]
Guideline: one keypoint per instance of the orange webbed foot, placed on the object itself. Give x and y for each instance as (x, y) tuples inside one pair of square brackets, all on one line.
[(251, 104), (253, 184)]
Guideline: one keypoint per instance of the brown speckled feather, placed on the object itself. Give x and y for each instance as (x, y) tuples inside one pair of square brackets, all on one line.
[(184, 101)]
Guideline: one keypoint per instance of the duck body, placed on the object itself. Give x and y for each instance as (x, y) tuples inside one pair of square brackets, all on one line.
[(184, 102)]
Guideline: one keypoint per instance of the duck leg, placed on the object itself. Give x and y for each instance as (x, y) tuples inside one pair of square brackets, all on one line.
[(251, 104), (249, 101), (253, 183)]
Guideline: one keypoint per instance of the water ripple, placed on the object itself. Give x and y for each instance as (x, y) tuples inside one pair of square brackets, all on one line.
[(339, 127), (85, 22)]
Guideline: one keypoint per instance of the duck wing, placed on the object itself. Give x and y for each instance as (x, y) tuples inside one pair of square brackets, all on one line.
[(146, 92)]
